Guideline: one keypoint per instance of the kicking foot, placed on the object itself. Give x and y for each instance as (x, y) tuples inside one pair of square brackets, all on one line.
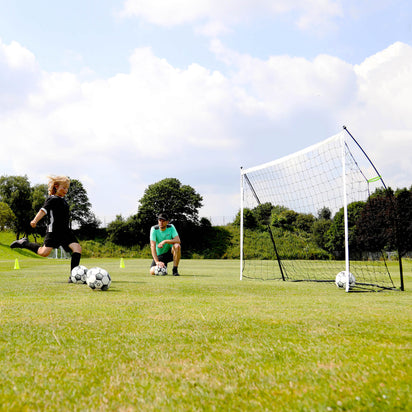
[(19, 243), (70, 280)]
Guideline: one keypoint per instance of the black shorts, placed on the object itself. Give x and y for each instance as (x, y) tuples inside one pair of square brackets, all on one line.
[(55, 240), (164, 257)]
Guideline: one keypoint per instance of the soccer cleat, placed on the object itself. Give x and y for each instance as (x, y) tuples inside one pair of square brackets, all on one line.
[(176, 273), (19, 243), (70, 280)]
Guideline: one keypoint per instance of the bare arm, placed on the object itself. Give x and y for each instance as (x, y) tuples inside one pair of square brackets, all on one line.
[(40, 214), (176, 239), (153, 250)]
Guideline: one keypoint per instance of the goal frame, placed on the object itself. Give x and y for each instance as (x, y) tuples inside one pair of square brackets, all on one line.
[(244, 180)]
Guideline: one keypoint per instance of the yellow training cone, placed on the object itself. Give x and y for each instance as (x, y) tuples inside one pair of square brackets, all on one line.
[(122, 263), (16, 264)]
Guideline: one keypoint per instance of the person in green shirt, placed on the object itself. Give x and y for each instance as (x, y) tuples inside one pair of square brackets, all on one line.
[(164, 244)]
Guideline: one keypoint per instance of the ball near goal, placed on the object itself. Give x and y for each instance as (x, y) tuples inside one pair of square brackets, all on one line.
[(341, 279)]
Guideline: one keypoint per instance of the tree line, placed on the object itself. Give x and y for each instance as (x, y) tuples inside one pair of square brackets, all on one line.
[(19, 202), (382, 222)]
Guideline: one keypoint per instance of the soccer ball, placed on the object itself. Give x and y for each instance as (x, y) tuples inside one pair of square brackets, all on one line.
[(98, 278), (78, 274), (341, 279), (160, 271)]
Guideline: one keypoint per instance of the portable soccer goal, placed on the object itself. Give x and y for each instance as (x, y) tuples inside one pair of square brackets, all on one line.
[(303, 218)]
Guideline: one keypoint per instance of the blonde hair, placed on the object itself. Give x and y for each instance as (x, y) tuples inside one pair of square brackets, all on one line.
[(57, 180)]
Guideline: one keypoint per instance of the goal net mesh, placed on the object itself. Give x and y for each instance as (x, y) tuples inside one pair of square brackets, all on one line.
[(293, 216)]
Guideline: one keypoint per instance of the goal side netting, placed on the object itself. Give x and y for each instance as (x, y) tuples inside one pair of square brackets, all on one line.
[(303, 218)]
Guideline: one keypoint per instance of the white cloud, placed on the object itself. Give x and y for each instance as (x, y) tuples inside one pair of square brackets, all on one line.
[(214, 17), (19, 73), (382, 111), (17, 57), (282, 85), (125, 132)]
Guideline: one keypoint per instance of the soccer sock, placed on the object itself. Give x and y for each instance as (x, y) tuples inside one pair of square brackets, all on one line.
[(34, 247), (75, 260), (174, 269)]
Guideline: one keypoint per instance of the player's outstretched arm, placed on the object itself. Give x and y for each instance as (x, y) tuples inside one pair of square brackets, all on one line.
[(40, 214)]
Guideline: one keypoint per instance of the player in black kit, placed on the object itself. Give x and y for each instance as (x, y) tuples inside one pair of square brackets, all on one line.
[(58, 232)]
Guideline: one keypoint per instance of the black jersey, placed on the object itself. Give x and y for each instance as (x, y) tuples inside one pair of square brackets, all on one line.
[(57, 213)]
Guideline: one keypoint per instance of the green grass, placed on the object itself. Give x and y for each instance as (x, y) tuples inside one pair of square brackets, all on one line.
[(204, 341)]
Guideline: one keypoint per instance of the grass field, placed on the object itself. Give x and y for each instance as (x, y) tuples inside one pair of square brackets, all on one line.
[(204, 341)]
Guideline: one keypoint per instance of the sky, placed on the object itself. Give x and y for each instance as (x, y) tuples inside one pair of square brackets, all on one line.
[(121, 94)]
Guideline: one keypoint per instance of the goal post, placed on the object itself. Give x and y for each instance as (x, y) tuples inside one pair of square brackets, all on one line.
[(303, 217)]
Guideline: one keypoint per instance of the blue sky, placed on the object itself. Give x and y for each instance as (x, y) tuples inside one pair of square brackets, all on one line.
[(67, 35), (121, 94)]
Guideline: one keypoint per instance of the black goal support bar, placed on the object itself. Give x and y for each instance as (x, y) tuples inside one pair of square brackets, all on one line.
[(268, 228)]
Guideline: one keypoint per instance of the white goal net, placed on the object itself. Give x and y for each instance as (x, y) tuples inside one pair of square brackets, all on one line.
[(301, 215)]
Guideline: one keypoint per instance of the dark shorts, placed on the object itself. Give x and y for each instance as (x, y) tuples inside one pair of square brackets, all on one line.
[(55, 240), (164, 257)]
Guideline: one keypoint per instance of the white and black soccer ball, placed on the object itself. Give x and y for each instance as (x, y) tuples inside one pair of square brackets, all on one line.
[(160, 271), (340, 279), (78, 274), (98, 278)]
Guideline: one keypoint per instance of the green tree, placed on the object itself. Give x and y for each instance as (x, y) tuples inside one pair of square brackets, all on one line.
[(15, 191), (305, 221), (123, 232), (90, 228), (7, 217), (286, 219), (403, 217), (39, 194), (263, 213), (249, 219), (181, 202), (386, 222), (80, 206), (336, 232), (324, 214), (320, 229), (321, 226)]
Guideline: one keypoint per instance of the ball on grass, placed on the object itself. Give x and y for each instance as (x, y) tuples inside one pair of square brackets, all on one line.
[(98, 278), (340, 279), (160, 271), (78, 274)]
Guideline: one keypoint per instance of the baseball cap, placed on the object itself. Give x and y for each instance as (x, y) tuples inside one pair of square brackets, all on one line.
[(163, 216)]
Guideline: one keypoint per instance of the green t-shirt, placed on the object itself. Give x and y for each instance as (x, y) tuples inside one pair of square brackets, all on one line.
[(158, 236)]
